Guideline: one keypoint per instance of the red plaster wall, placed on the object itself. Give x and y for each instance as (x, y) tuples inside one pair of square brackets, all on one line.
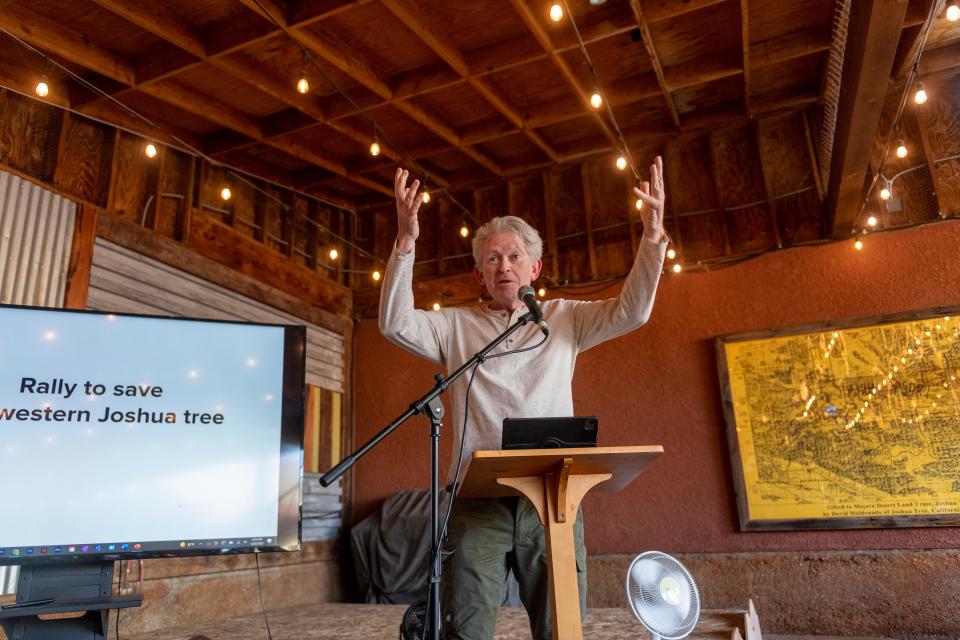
[(659, 385)]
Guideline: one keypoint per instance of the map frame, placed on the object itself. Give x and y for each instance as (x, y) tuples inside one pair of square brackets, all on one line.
[(789, 505)]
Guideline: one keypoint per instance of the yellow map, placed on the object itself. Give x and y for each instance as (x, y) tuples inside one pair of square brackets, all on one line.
[(849, 423)]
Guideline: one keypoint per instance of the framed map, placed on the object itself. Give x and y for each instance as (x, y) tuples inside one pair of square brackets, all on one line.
[(843, 425)]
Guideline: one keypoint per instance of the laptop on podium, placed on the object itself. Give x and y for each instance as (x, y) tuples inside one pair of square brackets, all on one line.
[(549, 433)]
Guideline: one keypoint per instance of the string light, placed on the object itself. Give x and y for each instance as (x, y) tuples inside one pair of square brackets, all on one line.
[(953, 11), (872, 221), (858, 245), (426, 197), (374, 148), (42, 88), (901, 149), (671, 254), (541, 292), (596, 101), (150, 150), (920, 97), (303, 86), (376, 276), (556, 12), (225, 193), (621, 163), (677, 268), (334, 254), (887, 191), (436, 306), (464, 231), (638, 204)]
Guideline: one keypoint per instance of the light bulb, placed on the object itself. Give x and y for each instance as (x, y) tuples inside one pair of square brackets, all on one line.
[(671, 254), (334, 254), (621, 163), (426, 197), (436, 306), (677, 268), (376, 276), (858, 245), (150, 150), (953, 12), (556, 12), (638, 204), (375, 148), (920, 96), (302, 85), (541, 292), (595, 100), (464, 231), (872, 221), (901, 149), (225, 193), (42, 89), (885, 193)]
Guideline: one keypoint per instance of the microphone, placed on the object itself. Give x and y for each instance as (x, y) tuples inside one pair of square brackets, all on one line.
[(529, 298)]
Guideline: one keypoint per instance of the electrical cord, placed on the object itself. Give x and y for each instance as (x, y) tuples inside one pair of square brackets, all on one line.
[(260, 596)]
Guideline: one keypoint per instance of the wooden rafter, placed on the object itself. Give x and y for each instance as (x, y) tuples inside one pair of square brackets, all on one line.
[(410, 16), (873, 33), (655, 61), (536, 28), (154, 17)]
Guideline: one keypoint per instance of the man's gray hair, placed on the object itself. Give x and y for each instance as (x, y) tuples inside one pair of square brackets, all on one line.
[(508, 224)]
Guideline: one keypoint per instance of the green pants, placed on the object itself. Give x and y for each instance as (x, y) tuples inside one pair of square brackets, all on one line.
[(485, 538)]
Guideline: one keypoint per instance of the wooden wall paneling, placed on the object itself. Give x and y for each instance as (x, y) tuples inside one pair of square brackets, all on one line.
[(308, 208), (774, 226), (611, 218), (717, 182), (525, 200), (565, 187), (81, 257), (550, 220), (441, 209), (134, 181), (213, 180), (699, 221), (790, 167), (942, 132), (589, 203), (672, 171), (173, 191), (114, 168), (800, 216), (191, 200), (83, 165), (30, 132), (263, 214), (741, 189), (927, 158), (154, 209), (427, 244), (242, 208), (914, 193), (491, 201)]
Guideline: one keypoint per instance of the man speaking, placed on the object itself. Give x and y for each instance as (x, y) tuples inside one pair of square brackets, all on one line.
[(487, 537)]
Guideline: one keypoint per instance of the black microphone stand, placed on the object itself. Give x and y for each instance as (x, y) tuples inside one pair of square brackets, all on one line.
[(430, 405)]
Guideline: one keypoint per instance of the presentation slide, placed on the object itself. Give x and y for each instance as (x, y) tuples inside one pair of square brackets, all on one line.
[(133, 429)]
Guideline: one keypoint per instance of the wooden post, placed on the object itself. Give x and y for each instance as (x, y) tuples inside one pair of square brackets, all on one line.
[(81, 257)]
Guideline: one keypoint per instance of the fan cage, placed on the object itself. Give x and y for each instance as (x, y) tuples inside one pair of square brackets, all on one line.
[(643, 600)]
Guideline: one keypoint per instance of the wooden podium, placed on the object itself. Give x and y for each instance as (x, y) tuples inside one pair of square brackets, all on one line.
[(555, 481)]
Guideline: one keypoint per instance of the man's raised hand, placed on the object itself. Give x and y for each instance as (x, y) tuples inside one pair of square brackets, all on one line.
[(408, 203), (652, 195)]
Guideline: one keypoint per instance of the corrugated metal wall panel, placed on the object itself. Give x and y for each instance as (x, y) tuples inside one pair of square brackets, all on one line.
[(125, 281), (36, 230)]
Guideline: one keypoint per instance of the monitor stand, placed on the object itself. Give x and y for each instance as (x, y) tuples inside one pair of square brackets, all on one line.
[(64, 587)]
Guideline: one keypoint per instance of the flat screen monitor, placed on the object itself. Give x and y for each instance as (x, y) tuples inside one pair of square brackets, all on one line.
[(125, 436)]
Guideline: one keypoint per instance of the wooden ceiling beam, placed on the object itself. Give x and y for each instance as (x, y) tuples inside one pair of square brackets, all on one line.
[(254, 167), (50, 36), (362, 73), (211, 109), (911, 39), (410, 16), (655, 61), (789, 47), (154, 17), (873, 33), (659, 10), (273, 11), (536, 28), (699, 72)]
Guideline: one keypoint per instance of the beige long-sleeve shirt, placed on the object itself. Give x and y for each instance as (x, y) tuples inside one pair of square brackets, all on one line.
[(535, 383)]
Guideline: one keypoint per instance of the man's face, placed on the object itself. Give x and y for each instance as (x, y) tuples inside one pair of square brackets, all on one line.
[(505, 267)]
